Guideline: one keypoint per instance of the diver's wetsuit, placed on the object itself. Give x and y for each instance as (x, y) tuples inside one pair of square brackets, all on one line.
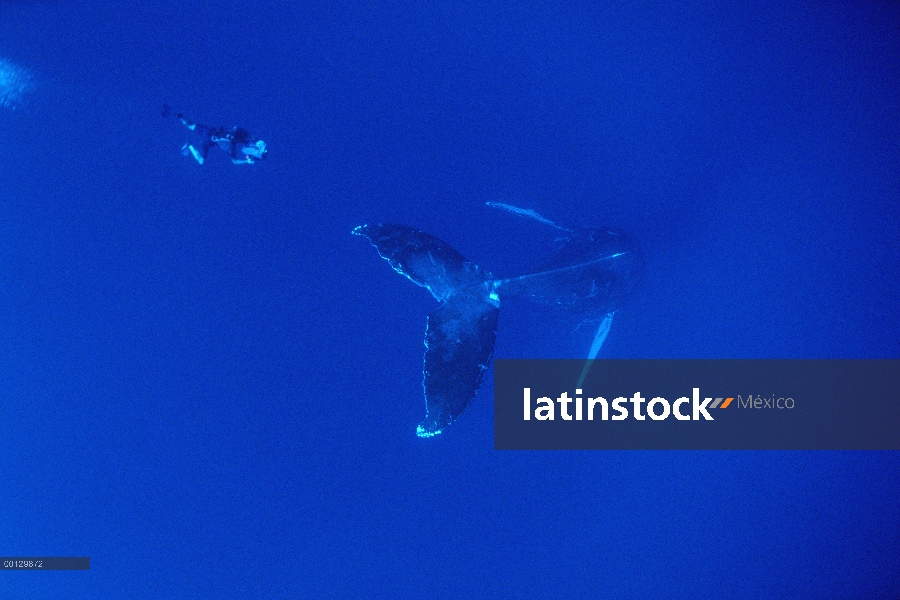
[(235, 142)]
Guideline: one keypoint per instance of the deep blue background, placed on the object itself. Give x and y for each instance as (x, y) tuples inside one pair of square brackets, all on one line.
[(211, 388)]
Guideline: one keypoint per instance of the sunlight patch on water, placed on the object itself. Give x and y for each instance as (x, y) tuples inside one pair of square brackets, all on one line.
[(15, 83)]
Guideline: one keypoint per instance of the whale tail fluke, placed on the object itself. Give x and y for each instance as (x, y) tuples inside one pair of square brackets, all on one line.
[(459, 339), (589, 276)]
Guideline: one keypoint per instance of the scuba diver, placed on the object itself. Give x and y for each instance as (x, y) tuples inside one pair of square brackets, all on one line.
[(235, 142)]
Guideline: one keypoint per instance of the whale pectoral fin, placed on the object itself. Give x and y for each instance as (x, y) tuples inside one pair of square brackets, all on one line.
[(599, 338), (459, 345), (422, 258)]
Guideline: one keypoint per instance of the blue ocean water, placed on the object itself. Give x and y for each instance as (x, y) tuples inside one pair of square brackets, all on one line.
[(211, 388)]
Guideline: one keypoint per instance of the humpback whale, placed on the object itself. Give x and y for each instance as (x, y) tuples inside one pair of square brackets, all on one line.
[(591, 274)]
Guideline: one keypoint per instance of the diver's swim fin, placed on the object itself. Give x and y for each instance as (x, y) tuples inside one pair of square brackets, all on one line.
[(460, 336)]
